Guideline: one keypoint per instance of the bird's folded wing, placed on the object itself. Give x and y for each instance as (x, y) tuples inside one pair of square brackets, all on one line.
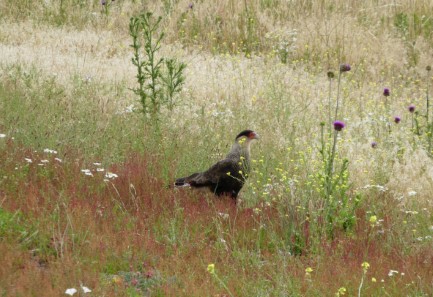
[(213, 175)]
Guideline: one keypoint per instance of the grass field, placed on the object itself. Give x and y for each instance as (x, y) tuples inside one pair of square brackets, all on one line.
[(84, 201)]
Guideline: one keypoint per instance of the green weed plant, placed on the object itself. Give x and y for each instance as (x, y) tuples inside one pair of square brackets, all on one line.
[(159, 79)]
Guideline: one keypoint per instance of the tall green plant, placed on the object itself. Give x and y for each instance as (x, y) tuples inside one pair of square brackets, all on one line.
[(159, 79), (337, 206)]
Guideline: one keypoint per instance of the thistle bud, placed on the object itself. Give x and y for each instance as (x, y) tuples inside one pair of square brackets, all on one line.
[(344, 67)]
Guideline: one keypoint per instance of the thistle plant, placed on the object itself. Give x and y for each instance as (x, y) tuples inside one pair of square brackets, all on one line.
[(421, 128), (157, 85), (386, 94), (411, 109), (337, 205)]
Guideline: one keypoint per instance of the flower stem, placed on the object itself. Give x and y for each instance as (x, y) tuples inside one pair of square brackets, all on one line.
[(330, 168), (360, 285), (223, 285), (329, 106), (338, 95)]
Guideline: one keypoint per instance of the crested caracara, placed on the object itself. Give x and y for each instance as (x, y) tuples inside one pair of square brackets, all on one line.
[(227, 176)]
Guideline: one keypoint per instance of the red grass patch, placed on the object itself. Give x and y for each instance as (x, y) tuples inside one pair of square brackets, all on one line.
[(84, 229)]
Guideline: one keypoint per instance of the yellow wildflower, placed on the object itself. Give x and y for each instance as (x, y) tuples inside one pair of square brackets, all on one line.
[(211, 268), (341, 291)]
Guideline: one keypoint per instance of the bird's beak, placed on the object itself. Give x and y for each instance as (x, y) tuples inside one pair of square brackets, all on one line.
[(255, 136)]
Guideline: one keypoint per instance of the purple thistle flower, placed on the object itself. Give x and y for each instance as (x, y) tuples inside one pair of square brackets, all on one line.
[(397, 119), (374, 144), (191, 5), (386, 92), (339, 125), (103, 2), (344, 67), (411, 108)]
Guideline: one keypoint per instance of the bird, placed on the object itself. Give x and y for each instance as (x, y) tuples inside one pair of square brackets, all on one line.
[(226, 177)]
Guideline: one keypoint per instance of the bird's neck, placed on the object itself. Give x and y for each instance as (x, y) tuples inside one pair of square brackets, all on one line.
[(240, 150)]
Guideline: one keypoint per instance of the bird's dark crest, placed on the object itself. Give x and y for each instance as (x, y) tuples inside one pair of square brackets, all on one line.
[(244, 133)]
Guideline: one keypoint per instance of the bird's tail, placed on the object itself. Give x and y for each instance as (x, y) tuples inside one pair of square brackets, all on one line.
[(181, 182), (186, 181)]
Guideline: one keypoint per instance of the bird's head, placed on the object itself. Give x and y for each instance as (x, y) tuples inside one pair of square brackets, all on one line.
[(247, 135)]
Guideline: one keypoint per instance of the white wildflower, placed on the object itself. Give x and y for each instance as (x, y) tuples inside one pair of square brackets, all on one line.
[(380, 188), (128, 109), (71, 291), (49, 151), (111, 175), (2, 135), (97, 164), (392, 272), (58, 160), (257, 210), (411, 193), (85, 289), (225, 216), (88, 79), (100, 169), (28, 160), (87, 172), (45, 161)]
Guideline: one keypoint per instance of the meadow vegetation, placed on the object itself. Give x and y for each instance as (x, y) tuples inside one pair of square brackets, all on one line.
[(330, 209)]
